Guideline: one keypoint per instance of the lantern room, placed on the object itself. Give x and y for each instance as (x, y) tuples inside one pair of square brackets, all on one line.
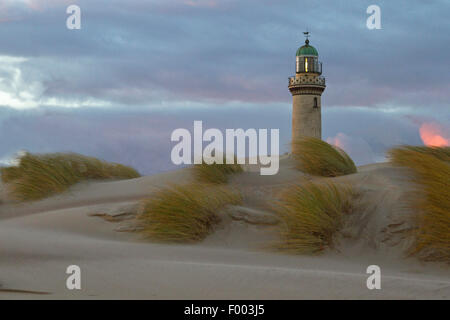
[(307, 60)]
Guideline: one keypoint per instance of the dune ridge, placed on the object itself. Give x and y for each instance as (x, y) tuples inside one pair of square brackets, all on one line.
[(39, 240)]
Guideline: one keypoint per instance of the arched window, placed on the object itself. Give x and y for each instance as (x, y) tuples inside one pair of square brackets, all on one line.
[(316, 105)]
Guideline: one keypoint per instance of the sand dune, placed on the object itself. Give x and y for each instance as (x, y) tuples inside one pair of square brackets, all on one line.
[(39, 240)]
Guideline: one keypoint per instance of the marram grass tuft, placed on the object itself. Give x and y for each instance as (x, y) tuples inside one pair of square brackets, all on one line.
[(215, 172), (431, 201), (184, 213), (38, 176), (401, 154), (318, 158), (311, 214)]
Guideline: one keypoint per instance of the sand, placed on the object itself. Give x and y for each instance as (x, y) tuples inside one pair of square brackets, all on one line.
[(39, 240)]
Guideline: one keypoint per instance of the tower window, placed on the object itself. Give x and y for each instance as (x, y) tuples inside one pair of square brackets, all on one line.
[(306, 64), (315, 103)]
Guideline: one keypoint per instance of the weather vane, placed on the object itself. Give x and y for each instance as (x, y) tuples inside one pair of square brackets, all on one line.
[(306, 34)]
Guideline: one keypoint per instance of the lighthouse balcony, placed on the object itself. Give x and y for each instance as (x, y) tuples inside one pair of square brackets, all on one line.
[(306, 80)]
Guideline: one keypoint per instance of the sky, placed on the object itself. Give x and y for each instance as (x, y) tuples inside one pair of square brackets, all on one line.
[(138, 69)]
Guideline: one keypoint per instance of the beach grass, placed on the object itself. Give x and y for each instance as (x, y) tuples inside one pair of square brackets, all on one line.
[(401, 154), (184, 213), (431, 200), (311, 214), (215, 173), (38, 176), (318, 158)]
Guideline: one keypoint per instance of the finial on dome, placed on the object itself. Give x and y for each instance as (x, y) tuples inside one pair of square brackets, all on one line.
[(307, 36)]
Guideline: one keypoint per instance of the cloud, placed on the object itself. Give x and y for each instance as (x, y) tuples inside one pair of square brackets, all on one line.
[(366, 133), (140, 136), (138, 68), (36, 4), (134, 52), (14, 90), (20, 10), (357, 148), (434, 134), (201, 3), (22, 87)]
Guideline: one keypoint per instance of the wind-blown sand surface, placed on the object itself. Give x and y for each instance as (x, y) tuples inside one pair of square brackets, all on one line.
[(38, 241)]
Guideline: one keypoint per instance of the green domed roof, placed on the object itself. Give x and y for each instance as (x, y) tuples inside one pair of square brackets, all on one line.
[(307, 50)]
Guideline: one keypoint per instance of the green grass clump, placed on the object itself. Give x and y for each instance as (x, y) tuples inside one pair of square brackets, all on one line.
[(311, 214), (316, 157), (184, 213), (431, 201), (215, 173), (38, 176)]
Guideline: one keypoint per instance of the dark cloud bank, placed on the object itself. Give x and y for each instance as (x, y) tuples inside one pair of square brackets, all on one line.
[(141, 138), (154, 66)]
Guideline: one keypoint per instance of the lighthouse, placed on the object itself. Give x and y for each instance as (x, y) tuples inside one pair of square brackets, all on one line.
[(306, 88)]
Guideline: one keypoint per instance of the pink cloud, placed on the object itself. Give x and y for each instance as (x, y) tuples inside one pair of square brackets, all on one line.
[(338, 140), (434, 135)]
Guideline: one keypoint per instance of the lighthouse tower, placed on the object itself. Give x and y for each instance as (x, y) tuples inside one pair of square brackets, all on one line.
[(306, 88)]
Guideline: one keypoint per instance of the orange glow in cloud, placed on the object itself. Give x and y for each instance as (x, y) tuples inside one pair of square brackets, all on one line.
[(434, 135)]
